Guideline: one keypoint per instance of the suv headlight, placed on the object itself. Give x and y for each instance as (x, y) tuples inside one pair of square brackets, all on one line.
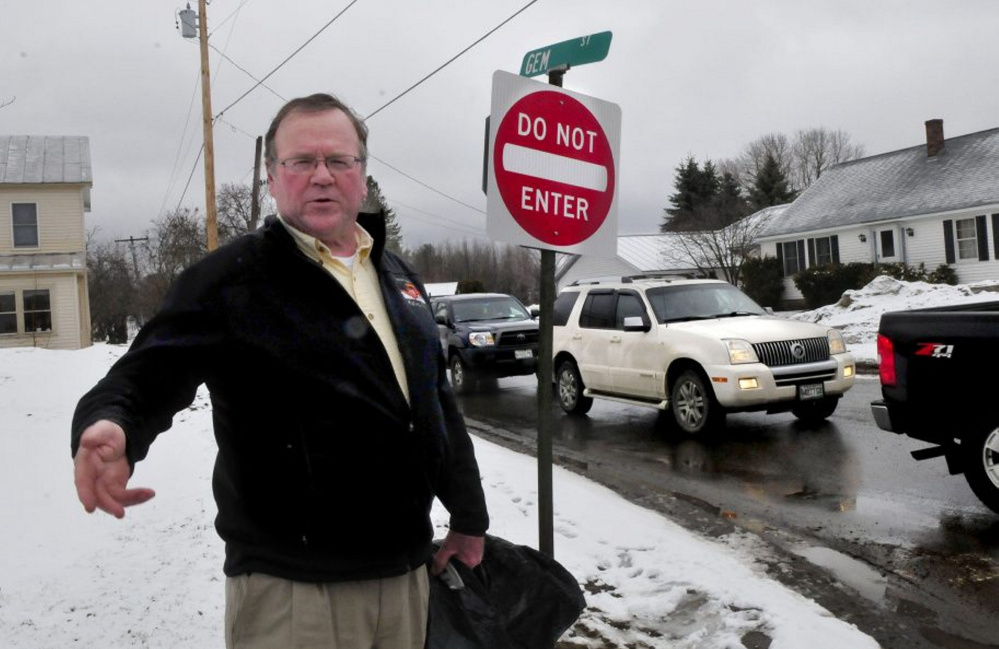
[(836, 344), (740, 351), (481, 339)]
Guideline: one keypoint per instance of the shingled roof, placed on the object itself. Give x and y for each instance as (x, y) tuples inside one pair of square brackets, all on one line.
[(909, 182), (30, 159)]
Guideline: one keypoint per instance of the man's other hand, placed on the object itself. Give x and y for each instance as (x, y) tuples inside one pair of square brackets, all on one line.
[(102, 472), (467, 549)]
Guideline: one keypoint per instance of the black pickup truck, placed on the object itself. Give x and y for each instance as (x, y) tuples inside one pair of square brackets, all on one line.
[(938, 384)]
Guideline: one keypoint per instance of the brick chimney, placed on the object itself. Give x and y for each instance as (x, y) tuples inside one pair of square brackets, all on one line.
[(934, 137)]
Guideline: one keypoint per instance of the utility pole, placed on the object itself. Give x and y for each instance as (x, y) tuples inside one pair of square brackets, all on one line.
[(255, 190), (187, 31), (135, 260)]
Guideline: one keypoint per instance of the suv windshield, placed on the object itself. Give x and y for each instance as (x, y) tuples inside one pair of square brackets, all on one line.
[(700, 302), (496, 308)]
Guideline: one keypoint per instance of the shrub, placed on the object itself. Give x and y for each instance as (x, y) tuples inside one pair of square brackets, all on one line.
[(762, 280), (943, 274), (822, 285), (825, 285)]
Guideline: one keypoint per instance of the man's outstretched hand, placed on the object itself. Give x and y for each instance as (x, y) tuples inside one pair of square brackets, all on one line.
[(467, 549), (102, 472)]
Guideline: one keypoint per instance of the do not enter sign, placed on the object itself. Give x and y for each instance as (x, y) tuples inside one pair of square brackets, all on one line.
[(553, 169)]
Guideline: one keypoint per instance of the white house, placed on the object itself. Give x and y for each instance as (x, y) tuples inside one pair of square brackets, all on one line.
[(44, 192), (637, 254), (933, 204)]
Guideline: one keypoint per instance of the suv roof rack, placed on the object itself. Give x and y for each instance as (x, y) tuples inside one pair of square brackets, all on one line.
[(602, 280)]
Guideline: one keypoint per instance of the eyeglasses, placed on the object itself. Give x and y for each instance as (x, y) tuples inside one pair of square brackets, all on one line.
[(307, 164)]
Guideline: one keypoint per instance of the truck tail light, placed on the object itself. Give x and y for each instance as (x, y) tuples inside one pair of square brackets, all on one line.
[(886, 361)]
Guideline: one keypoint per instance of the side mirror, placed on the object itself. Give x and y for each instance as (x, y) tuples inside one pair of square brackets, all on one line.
[(636, 323), (535, 311), (441, 318)]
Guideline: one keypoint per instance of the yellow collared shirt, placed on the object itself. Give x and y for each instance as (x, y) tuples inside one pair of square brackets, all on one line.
[(360, 280)]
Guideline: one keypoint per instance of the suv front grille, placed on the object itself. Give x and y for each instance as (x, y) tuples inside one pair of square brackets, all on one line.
[(518, 338), (792, 352)]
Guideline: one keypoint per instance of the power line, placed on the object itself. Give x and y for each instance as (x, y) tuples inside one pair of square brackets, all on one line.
[(246, 72), (420, 182), (440, 221), (451, 60), (290, 56)]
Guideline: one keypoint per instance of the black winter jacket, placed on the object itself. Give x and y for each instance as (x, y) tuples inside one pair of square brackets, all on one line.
[(324, 472)]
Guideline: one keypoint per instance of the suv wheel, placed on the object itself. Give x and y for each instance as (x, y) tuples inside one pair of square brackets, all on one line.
[(693, 404), (570, 390), (815, 412), (462, 378), (981, 466)]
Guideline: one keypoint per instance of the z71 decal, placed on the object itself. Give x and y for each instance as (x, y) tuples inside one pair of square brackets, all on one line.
[(934, 350)]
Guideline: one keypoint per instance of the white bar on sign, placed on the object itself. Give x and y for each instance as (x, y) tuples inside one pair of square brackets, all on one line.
[(554, 167)]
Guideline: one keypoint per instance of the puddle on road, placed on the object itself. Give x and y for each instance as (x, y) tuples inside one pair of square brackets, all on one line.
[(862, 578)]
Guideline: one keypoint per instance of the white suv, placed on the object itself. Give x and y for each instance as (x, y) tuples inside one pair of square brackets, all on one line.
[(700, 348)]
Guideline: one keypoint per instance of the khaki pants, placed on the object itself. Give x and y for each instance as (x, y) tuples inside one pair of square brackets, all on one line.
[(264, 612)]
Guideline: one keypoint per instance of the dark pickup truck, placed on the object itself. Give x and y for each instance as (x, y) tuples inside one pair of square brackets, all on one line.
[(938, 385)]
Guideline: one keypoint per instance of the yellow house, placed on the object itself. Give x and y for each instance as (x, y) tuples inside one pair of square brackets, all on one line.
[(44, 192)]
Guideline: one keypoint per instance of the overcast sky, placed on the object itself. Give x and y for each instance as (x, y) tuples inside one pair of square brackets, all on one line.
[(691, 78)]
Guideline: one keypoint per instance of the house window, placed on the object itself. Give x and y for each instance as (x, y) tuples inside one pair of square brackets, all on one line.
[(967, 239), (823, 251), (8, 314), (37, 311), (25, 216), (792, 262)]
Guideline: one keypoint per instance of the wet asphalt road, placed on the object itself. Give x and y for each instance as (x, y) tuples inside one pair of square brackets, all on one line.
[(899, 547)]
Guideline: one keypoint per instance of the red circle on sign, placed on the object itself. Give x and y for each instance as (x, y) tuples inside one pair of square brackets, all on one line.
[(554, 168)]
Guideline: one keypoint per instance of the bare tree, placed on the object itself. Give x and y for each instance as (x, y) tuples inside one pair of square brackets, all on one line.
[(721, 251), (496, 268), (112, 290), (235, 210), (753, 158), (176, 241), (801, 158), (816, 149)]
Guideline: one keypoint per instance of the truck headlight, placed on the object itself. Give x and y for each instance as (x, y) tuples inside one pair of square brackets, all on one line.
[(481, 339), (740, 351), (836, 344)]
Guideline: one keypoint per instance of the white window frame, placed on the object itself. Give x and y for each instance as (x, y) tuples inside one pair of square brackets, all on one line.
[(823, 259), (961, 242), (14, 226)]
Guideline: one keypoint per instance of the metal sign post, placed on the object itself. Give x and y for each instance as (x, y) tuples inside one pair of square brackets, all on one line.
[(551, 166)]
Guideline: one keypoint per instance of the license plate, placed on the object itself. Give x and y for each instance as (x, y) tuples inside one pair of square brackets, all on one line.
[(811, 391), (521, 354)]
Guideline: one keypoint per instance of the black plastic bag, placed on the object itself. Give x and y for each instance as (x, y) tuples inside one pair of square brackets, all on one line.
[(517, 598)]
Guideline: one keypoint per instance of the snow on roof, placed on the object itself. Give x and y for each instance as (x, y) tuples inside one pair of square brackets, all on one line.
[(31, 159), (435, 289), (902, 183)]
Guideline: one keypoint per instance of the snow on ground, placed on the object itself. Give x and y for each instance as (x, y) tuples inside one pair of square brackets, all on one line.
[(857, 314), (154, 578)]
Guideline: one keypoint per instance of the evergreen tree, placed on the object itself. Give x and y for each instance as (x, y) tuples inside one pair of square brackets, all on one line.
[(376, 201), (770, 186), (729, 202), (696, 190)]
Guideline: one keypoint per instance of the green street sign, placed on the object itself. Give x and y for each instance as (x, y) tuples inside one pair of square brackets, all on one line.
[(561, 56)]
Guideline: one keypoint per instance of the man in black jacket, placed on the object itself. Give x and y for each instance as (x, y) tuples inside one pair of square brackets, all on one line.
[(335, 424)]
